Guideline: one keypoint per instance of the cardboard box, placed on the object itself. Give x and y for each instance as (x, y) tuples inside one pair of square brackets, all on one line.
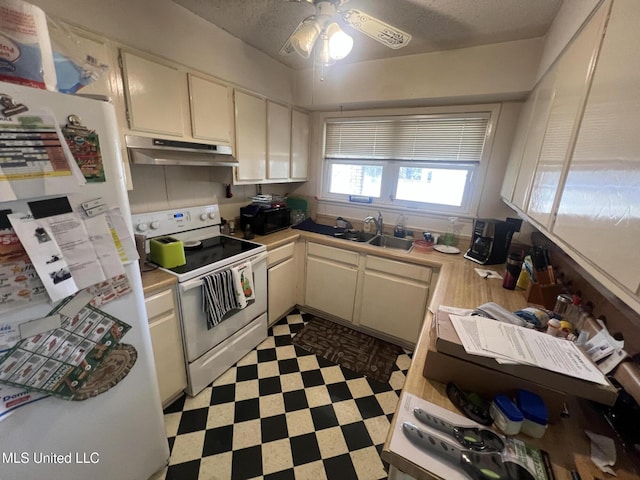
[(486, 382), (447, 342)]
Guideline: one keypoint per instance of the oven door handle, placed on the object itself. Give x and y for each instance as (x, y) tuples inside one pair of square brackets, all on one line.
[(197, 282)]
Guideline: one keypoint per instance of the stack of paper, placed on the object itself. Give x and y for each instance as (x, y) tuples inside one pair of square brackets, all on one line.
[(513, 344)]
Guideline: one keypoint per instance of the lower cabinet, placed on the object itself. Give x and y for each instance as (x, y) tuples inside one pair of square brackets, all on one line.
[(331, 278), (382, 296), (166, 341), (282, 274), (393, 297)]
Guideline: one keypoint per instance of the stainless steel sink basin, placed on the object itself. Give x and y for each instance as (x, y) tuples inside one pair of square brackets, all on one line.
[(355, 236), (387, 241)]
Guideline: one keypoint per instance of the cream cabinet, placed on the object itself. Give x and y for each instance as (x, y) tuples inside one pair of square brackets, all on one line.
[(155, 94), (533, 143), (166, 341), (598, 212), (251, 137), (330, 282), (574, 73), (279, 141), (300, 126), (211, 113), (282, 276), (392, 298)]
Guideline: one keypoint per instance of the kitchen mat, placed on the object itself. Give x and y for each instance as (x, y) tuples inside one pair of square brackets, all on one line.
[(357, 351)]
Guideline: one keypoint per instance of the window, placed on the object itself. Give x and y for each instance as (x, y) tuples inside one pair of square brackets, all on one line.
[(426, 161)]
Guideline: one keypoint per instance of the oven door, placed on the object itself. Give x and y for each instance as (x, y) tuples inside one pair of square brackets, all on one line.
[(198, 339)]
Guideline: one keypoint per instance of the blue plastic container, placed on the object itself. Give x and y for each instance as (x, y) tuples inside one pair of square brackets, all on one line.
[(535, 413)]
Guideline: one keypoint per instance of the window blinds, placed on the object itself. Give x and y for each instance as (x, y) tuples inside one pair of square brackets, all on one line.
[(448, 139)]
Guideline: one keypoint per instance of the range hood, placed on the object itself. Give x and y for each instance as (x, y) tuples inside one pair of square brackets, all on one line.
[(158, 151)]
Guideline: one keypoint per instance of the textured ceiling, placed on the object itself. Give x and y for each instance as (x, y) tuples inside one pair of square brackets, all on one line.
[(434, 24)]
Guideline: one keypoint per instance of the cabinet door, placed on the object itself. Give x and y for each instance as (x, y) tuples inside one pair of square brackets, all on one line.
[(598, 212), (331, 287), (279, 144), (282, 289), (251, 137), (211, 111), (517, 149), (299, 145), (393, 305), (531, 152), (575, 69), (166, 342), (154, 95)]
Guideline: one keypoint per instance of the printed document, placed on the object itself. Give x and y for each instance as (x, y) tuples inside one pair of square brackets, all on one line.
[(524, 345)]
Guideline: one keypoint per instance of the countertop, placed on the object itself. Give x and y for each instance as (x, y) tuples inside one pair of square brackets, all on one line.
[(459, 285)]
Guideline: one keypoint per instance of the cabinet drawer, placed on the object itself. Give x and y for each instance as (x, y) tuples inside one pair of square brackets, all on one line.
[(335, 254), (279, 254), (159, 303), (414, 272)]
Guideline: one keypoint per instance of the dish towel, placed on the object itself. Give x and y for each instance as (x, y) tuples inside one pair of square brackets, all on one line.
[(218, 296), (243, 283)]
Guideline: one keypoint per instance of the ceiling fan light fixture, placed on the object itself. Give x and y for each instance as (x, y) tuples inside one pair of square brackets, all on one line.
[(305, 38), (324, 52), (339, 43)]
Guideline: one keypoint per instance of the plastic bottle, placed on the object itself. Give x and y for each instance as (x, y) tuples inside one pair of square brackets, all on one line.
[(450, 236), (400, 228)]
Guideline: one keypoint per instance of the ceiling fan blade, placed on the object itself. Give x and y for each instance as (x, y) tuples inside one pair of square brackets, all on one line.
[(287, 48), (375, 28)]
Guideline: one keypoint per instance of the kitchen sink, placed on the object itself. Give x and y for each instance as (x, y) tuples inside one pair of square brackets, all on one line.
[(355, 236), (387, 241)]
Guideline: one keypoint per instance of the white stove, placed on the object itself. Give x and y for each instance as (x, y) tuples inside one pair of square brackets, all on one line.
[(210, 352)]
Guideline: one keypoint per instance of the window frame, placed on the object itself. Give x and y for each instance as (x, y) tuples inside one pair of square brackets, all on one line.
[(391, 168)]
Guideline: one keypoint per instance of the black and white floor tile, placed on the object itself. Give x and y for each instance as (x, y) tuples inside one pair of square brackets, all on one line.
[(284, 413)]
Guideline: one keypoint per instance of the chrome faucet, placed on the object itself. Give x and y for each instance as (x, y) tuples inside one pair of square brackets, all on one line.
[(377, 222)]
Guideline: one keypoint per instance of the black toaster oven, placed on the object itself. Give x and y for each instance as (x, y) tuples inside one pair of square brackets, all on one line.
[(264, 220)]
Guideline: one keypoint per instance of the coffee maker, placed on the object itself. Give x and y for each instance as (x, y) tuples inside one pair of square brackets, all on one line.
[(491, 240)]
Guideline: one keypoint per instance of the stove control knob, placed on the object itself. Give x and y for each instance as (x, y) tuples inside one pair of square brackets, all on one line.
[(212, 215), (203, 216), (141, 227), (155, 225)]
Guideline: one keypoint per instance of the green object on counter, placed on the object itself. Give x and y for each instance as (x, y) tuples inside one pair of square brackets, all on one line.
[(297, 204)]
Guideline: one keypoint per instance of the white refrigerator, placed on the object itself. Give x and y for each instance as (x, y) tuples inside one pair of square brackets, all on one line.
[(120, 433)]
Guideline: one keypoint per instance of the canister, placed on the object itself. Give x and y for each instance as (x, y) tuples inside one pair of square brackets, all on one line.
[(506, 415), (534, 412)]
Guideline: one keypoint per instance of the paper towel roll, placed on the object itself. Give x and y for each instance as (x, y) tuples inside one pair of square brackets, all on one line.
[(26, 56)]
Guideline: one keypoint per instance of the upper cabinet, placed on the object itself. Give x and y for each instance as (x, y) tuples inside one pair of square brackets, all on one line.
[(279, 141), (211, 113), (155, 95), (574, 73), (272, 141), (300, 126), (599, 212), (581, 188), (165, 100), (251, 137)]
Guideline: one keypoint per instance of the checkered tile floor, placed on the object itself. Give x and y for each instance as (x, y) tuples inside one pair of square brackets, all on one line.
[(283, 413)]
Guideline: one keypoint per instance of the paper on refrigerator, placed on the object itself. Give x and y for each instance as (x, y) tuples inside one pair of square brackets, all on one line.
[(35, 160), (45, 254)]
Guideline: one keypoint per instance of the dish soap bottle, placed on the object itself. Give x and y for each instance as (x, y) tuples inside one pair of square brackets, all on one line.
[(400, 228)]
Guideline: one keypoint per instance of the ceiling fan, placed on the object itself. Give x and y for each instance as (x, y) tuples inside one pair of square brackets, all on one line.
[(322, 31)]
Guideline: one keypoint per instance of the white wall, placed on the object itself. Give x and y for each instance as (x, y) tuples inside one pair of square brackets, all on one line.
[(570, 17), (502, 71), (166, 29)]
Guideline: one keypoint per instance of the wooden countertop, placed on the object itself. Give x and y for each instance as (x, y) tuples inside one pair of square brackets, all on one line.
[(154, 279), (459, 285)]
